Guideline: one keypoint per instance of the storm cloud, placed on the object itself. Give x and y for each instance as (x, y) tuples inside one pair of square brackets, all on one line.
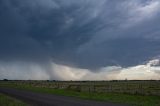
[(84, 34)]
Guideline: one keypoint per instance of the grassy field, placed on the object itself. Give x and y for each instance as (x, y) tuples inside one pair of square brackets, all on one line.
[(8, 101), (125, 87), (93, 90)]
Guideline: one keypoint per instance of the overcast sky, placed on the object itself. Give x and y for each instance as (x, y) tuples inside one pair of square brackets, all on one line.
[(79, 39)]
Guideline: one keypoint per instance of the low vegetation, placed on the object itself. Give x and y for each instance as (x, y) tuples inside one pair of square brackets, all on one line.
[(138, 93), (8, 101)]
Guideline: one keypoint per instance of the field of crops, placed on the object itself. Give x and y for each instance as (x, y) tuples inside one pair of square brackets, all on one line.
[(151, 87)]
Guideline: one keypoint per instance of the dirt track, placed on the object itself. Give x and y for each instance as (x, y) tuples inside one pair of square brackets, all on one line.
[(38, 99)]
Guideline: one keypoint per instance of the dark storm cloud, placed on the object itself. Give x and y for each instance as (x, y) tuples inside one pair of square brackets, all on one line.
[(85, 33), (31, 27)]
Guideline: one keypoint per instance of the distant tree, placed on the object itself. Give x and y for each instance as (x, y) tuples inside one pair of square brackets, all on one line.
[(5, 79)]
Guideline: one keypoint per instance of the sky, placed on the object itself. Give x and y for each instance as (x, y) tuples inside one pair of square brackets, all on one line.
[(80, 39)]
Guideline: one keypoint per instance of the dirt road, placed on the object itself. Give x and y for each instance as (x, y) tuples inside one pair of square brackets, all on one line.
[(38, 99)]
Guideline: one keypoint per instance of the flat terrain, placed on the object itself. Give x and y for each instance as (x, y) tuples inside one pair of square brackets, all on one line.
[(9, 101), (134, 93), (51, 100)]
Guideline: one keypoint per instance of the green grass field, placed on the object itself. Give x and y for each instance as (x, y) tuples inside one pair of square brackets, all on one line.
[(9, 101), (117, 97)]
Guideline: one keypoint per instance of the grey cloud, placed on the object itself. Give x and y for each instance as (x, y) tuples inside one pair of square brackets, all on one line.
[(86, 33)]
